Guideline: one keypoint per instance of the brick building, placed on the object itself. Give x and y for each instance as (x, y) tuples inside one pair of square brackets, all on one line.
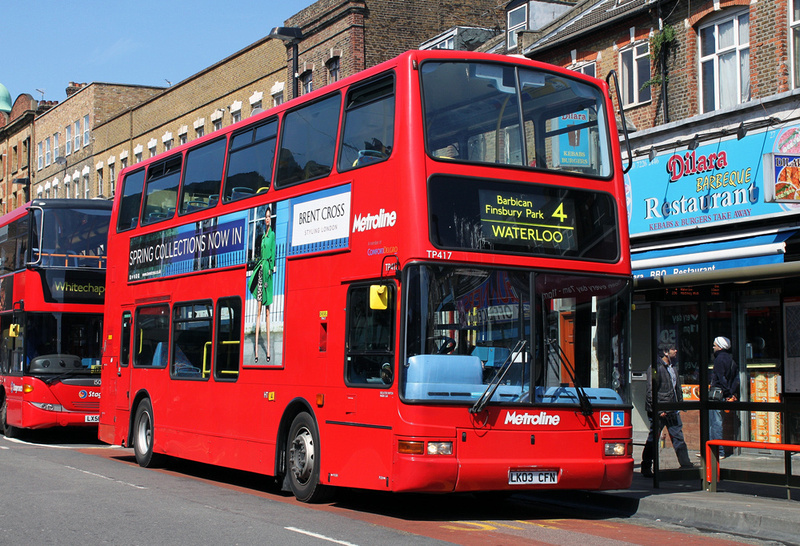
[(63, 157), (339, 38), (16, 138), (710, 90)]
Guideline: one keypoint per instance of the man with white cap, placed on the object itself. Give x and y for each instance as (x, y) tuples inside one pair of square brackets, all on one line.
[(725, 376)]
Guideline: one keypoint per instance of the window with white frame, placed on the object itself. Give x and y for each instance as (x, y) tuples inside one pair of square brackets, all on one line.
[(100, 181), (68, 138), (55, 188), (55, 146), (517, 19), (77, 136), (76, 182), (590, 69), (634, 62), (182, 138), (86, 130), (725, 61), (47, 151), (40, 155), (307, 82), (794, 23), (86, 193), (112, 181), (67, 181)]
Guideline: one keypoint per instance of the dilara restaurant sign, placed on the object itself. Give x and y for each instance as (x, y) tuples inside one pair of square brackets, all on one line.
[(721, 182)]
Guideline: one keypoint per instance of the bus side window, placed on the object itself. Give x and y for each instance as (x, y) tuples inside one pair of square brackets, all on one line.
[(191, 339), (228, 340), (250, 161), (368, 134), (369, 351), (125, 339), (202, 177), (161, 192), (151, 342), (308, 141), (131, 200)]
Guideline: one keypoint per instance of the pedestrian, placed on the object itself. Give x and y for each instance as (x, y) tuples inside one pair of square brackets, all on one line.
[(724, 386), (666, 382)]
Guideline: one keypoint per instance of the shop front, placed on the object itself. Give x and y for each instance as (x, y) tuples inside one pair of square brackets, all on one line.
[(714, 212)]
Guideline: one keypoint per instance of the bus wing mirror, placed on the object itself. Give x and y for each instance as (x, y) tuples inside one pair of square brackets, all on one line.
[(379, 297), (13, 330)]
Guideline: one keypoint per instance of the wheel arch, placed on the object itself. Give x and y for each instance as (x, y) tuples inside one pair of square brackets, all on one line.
[(293, 409), (137, 399)]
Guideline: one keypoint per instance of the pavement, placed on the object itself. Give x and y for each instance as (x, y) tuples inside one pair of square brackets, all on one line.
[(750, 510)]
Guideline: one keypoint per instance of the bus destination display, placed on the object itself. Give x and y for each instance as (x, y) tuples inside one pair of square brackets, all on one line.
[(527, 219)]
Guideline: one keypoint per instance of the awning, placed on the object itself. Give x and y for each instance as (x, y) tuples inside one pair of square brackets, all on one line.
[(711, 262)]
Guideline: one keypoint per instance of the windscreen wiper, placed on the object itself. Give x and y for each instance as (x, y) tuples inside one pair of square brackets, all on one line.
[(583, 399), (501, 372)]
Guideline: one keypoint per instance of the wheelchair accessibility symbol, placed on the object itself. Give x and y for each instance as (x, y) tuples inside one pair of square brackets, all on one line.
[(612, 418)]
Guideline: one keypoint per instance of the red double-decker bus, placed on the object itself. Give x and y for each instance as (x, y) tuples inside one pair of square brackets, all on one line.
[(52, 283), (414, 279)]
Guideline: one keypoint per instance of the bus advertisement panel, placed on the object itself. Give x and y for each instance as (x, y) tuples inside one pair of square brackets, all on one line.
[(414, 279)]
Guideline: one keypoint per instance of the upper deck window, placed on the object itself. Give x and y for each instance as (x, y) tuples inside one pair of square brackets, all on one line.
[(203, 177), (252, 153), (131, 200), (308, 141), (498, 114), (368, 135), (70, 237), (161, 194)]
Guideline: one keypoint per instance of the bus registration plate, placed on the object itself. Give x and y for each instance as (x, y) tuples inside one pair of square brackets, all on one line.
[(532, 477), (92, 419)]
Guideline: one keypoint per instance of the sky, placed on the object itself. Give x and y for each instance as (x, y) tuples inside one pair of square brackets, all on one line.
[(48, 43)]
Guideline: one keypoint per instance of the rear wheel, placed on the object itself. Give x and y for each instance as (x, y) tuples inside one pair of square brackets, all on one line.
[(302, 454), (8, 430), (143, 434)]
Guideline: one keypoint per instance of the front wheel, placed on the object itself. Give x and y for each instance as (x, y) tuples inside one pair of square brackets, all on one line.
[(8, 430), (302, 454), (143, 434)]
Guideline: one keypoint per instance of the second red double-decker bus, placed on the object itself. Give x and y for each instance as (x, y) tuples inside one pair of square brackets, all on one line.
[(415, 279), (52, 283)]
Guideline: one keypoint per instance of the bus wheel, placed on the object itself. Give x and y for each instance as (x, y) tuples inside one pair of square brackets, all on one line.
[(303, 460), (8, 430), (143, 434)]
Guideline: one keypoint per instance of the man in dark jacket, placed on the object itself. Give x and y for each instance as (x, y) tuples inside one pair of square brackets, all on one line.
[(725, 376), (666, 382)]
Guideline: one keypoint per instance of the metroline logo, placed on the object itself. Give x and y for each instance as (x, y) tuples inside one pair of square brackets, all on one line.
[(374, 221), (526, 418)]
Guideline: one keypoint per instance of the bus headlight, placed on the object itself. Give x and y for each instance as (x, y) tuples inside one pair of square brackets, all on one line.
[(440, 448), (615, 449), (47, 407)]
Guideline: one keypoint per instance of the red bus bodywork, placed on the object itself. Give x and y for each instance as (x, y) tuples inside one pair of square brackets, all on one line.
[(51, 305), (269, 417)]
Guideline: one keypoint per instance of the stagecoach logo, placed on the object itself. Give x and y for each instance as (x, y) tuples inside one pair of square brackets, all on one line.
[(88, 394), (16, 388), (541, 418)]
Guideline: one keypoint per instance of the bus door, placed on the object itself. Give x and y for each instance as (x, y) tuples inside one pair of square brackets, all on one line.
[(13, 362), (371, 396), (119, 390)]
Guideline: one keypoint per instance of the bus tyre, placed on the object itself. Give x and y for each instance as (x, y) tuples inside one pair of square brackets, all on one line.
[(143, 434), (302, 454), (8, 430)]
